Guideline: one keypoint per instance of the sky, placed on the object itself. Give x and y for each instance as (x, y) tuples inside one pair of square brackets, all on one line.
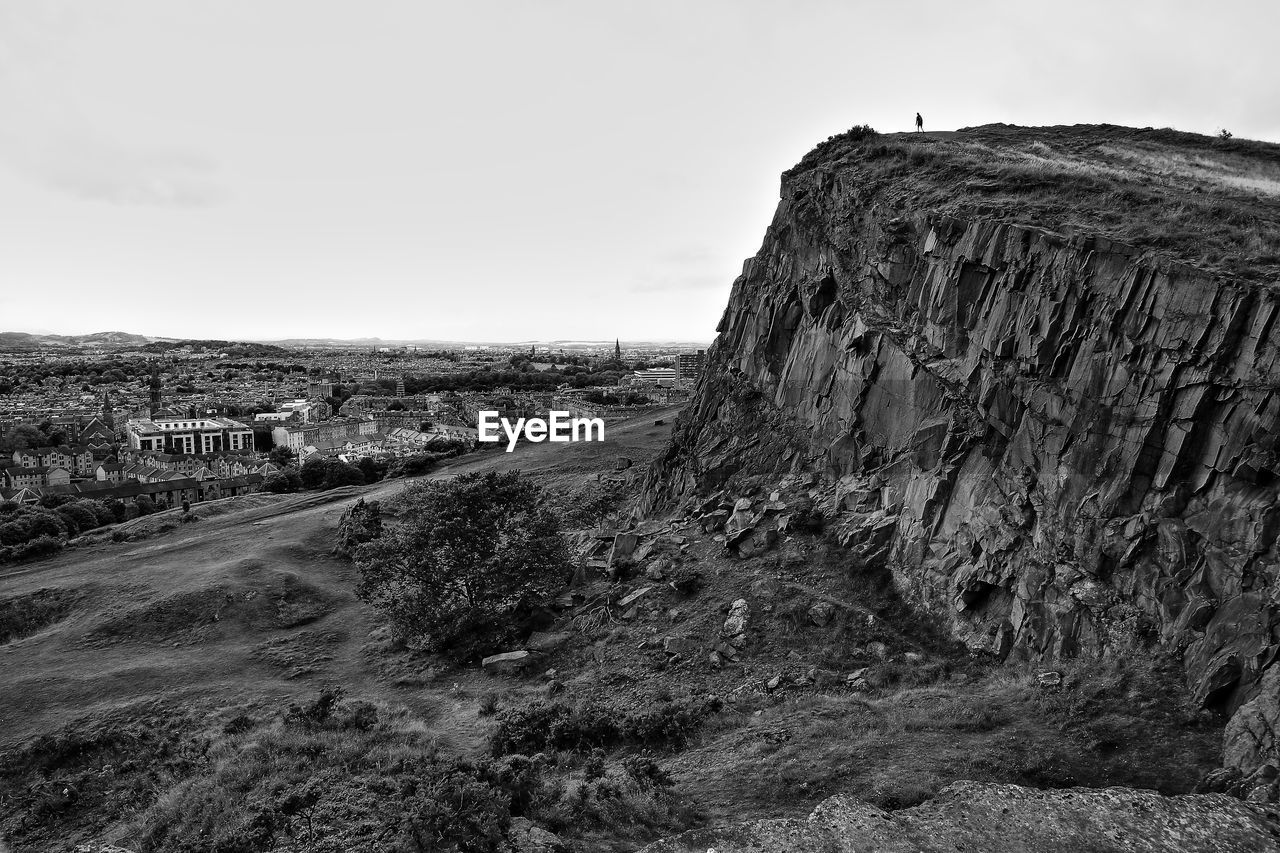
[(506, 171)]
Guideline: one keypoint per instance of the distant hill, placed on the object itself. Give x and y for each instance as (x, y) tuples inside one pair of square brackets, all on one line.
[(14, 340), (35, 340)]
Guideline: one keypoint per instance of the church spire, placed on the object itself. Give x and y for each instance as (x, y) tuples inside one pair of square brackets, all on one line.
[(617, 349)]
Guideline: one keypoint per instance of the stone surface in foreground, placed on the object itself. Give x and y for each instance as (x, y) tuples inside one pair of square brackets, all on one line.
[(988, 818)]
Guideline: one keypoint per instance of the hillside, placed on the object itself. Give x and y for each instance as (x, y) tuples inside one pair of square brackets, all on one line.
[(1033, 372)]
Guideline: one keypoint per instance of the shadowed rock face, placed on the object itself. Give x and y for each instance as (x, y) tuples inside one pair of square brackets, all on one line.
[(997, 818), (1063, 445)]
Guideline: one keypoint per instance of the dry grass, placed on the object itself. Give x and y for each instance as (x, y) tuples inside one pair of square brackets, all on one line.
[(1110, 723), (1211, 203)]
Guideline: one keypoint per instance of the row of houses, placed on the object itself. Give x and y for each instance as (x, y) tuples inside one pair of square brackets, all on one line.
[(78, 460), (169, 493), (214, 465)]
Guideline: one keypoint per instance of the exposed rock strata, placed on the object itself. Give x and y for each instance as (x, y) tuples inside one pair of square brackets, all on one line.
[(1006, 819), (1062, 444)]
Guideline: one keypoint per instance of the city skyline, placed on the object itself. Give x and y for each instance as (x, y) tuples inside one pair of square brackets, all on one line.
[(507, 172)]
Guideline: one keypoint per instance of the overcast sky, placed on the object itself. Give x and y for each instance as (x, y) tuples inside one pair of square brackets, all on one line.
[(511, 170)]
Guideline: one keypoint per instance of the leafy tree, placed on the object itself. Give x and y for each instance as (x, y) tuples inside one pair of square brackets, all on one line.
[(474, 557), (338, 473), (22, 437), (372, 469), (286, 480), (312, 472), (281, 456)]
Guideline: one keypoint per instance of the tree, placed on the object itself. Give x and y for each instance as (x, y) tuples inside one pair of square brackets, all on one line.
[(281, 456), (22, 437), (473, 558), (373, 470), (312, 472), (287, 480), (338, 473)]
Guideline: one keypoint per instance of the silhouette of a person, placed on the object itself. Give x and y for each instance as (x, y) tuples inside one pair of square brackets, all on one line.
[(919, 124)]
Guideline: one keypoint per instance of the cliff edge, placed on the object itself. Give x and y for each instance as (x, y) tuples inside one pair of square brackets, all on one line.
[(1034, 370)]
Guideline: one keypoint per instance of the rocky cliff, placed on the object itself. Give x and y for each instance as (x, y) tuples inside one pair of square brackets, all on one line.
[(1036, 372)]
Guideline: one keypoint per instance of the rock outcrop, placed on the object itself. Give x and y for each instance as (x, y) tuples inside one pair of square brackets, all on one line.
[(361, 523), (1006, 819), (1062, 443)]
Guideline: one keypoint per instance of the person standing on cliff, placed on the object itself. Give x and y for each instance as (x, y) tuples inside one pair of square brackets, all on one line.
[(919, 124)]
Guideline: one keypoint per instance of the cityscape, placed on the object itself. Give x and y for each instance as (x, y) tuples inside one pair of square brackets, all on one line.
[(172, 424)]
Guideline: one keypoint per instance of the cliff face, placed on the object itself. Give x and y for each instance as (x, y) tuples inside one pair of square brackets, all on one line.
[(1064, 444)]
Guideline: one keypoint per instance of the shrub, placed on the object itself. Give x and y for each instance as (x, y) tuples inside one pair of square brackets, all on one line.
[(78, 517), (41, 546), (316, 714), (592, 725), (685, 579), (474, 556)]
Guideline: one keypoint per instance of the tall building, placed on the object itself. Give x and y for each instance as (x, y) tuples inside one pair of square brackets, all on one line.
[(689, 365), (400, 386)]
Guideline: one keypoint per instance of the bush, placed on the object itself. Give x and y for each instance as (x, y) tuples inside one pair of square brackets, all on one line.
[(41, 546), (473, 559), (595, 725), (284, 481), (415, 465), (338, 473)]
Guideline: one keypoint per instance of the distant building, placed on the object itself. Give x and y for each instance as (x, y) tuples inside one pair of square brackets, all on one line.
[(320, 389), (655, 375), (18, 477), (328, 434), (689, 365), (188, 435), (78, 460)]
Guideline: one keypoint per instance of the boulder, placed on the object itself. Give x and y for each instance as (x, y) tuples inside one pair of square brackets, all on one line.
[(1249, 739), (507, 662), (1051, 678), (821, 612), (766, 588), (525, 836), (735, 624)]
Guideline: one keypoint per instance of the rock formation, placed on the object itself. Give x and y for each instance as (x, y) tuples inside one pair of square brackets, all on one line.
[(1006, 819), (1035, 372)]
